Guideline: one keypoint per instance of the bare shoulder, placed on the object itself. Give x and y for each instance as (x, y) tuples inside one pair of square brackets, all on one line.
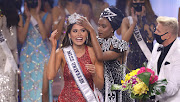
[(126, 20), (125, 23)]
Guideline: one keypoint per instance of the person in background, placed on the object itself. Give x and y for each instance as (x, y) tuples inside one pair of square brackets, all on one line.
[(110, 50), (121, 4), (8, 51), (78, 63), (165, 57), (48, 5), (138, 30), (97, 6), (33, 29), (62, 11)]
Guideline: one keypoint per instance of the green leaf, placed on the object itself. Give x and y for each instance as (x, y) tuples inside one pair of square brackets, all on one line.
[(145, 77), (116, 87), (136, 96), (144, 64)]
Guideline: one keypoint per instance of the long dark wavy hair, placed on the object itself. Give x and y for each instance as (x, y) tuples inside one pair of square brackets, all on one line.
[(10, 10), (66, 41), (150, 15)]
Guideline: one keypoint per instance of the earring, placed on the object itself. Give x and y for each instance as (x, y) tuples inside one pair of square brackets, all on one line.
[(87, 40), (70, 41)]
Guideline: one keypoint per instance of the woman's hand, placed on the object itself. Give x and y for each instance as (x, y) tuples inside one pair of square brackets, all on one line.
[(38, 7), (91, 68), (85, 23), (143, 13), (53, 39), (134, 15), (26, 11)]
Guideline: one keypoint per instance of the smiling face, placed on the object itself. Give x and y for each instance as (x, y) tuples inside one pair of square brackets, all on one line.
[(78, 35), (105, 29)]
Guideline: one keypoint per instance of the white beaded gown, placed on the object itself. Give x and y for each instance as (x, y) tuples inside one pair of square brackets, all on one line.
[(8, 79)]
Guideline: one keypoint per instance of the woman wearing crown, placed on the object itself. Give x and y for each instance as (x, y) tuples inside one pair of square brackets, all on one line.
[(77, 61), (110, 50)]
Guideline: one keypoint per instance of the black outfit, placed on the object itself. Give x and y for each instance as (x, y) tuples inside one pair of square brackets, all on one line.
[(163, 55)]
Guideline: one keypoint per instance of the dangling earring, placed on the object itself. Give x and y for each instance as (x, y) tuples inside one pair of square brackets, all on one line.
[(70, 41), (87, 40)]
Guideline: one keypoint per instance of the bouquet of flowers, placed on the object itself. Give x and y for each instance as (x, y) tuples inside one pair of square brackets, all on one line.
[(142, 83)]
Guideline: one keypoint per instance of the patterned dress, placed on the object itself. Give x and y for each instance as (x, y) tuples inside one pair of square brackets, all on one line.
[(34, 54), (136, 57), (71, 92), (114, 72), (8, 80)]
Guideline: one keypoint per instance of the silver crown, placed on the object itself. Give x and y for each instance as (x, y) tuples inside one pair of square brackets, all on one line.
[(74, 18)]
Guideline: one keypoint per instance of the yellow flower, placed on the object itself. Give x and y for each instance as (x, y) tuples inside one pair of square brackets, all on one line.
[(131, 74), (140, 88), (122, 82)]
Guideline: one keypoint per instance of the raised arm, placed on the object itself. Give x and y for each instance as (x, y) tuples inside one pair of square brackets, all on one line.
[(55, 58), (58, 16), (23, 28), (127, 28), (101, 56), (44, 28)]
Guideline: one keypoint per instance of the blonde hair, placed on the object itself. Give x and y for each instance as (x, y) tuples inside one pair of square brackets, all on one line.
[(170, 23)]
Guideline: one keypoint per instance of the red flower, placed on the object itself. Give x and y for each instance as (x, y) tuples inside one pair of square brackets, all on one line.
[(153, 77)]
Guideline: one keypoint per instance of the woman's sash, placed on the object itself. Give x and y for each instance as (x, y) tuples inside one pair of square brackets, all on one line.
[(35, 24), (78, 75), (140, 40), (10, 62)]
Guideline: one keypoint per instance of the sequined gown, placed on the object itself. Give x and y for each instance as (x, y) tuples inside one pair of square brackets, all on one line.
[(8, 80), (34, 54), (136, 57), (71, 92), (114, 72)]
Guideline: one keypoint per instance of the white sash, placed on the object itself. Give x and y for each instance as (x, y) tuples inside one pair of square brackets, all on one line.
[(78, 75), (10, 62), (140, 40), (36, 27), (35, 24)]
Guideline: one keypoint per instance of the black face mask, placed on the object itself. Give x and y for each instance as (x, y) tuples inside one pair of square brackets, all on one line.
[(138, 6), (158, 38)]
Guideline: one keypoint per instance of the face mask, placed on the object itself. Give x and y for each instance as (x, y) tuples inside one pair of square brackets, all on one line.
[(158, 38), (138, 6)]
